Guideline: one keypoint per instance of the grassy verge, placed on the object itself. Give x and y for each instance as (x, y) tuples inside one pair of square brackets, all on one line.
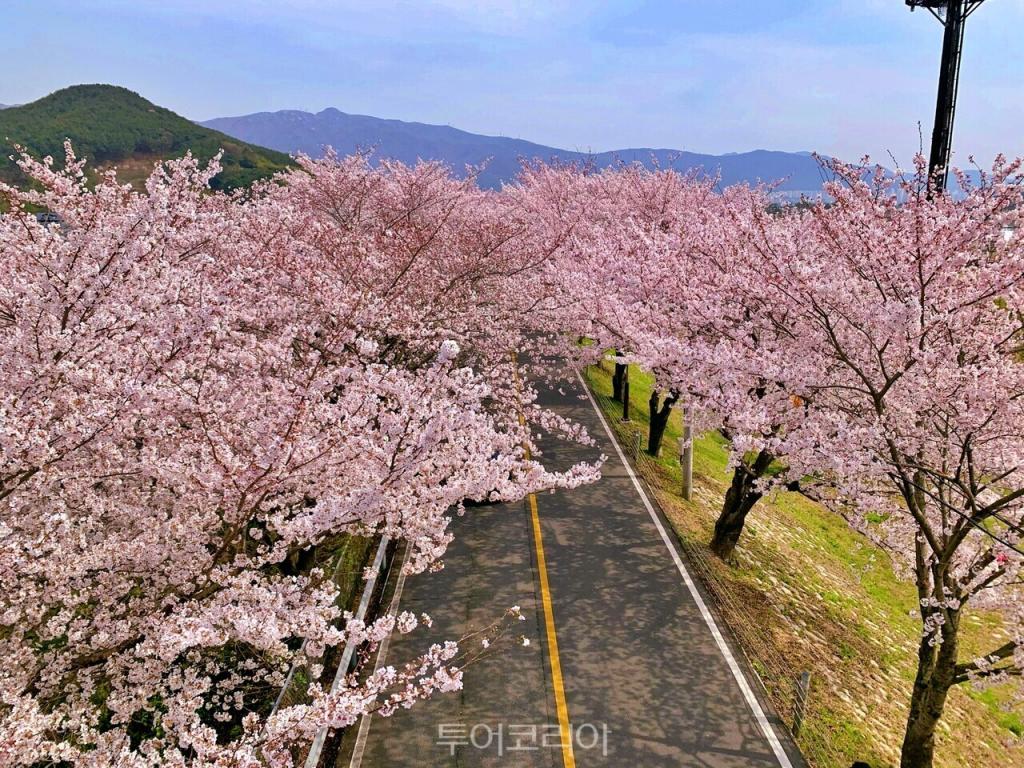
[(808, 593)]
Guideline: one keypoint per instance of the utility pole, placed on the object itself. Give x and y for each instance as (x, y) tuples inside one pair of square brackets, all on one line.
[(952, 14)]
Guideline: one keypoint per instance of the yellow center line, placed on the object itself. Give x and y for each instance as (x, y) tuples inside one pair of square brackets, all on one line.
[(568, 759), (564, 729)]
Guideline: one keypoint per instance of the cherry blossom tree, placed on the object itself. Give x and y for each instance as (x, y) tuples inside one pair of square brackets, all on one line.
[(752, 369), (201, 394), (904, 313), (866, 351), (654, 267), (196, 391), (443, 259), (613, 233)]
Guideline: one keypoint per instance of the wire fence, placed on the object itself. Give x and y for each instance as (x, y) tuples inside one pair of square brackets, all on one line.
[(789, 687)]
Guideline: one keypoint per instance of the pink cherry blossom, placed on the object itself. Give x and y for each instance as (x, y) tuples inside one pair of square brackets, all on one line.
[(199, 393)]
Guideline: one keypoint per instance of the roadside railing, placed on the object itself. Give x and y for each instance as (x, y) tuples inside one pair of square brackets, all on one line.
[(348, 655), (355, 578)]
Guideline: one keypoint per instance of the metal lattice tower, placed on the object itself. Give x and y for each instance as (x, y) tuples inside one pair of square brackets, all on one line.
[(952, 14)]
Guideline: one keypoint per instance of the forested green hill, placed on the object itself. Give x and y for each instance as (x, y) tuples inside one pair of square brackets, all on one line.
[(113, 126)]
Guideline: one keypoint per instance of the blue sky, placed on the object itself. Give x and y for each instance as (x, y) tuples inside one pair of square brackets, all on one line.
[(843, 77)]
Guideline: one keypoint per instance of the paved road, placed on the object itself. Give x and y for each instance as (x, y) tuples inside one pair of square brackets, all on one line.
[(645, 679)]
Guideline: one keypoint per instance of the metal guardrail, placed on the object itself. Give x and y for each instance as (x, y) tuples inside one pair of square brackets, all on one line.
[(380, 573), (299, 659), (315, 750)]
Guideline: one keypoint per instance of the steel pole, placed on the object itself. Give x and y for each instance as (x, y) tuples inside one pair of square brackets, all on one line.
[(945, 102)]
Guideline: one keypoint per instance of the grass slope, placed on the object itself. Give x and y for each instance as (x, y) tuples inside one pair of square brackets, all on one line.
[(809, 593), (113, 126)]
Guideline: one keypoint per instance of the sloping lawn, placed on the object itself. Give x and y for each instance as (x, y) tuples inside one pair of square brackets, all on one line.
[(808, 593)]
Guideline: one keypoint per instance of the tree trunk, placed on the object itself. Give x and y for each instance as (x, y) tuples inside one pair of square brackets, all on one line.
[(659, 419), (299, 561), (936, 674), (739, 500), (625, 396), (621, 371)]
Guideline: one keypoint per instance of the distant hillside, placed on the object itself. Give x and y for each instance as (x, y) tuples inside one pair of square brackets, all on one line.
[(113, 126), (295, 131)]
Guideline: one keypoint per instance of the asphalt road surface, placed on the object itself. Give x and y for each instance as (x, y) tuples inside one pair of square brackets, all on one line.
[(635, 670)]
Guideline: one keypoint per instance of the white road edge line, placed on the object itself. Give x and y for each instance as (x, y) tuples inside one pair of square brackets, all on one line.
[(364, 722), (723, 647)]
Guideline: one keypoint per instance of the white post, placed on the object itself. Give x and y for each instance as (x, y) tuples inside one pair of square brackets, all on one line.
[(686, 456), (803, 689)]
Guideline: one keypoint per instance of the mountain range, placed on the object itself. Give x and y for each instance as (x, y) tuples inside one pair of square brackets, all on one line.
[(294, 131), (113, 126)]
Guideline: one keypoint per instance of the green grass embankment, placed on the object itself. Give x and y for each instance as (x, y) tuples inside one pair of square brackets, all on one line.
[(806, 592)]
